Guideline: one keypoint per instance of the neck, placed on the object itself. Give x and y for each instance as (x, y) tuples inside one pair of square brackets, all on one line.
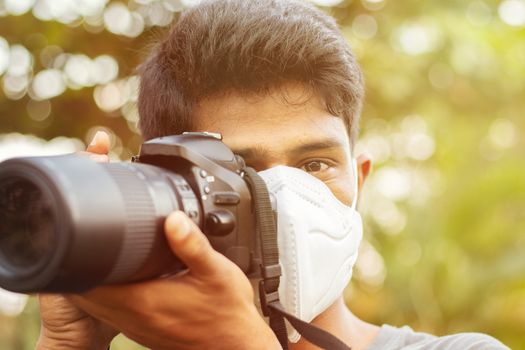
[(342, 323)]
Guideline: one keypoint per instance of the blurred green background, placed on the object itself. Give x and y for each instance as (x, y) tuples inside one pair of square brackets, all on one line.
[(444, 209)]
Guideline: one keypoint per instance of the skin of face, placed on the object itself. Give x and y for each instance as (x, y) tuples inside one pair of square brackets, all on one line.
[(289, 126)]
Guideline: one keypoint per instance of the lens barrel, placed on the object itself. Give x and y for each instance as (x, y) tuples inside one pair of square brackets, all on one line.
[(68, 224)]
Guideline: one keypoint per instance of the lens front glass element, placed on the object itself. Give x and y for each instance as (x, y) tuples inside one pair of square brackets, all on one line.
[(27, 224)]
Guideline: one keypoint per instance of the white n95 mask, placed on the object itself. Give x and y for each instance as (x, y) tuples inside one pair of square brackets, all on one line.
[(318, 239)]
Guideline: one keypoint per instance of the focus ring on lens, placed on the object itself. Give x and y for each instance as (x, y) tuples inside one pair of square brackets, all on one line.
[(140, 226)]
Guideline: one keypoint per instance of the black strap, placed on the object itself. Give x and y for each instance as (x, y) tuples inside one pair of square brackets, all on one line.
[(270, 268), (271, 273), (310, 332)]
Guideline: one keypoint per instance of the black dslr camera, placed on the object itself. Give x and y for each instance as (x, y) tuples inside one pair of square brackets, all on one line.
[(68, 224)]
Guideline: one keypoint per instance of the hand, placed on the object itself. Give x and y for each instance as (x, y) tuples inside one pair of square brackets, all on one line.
[(63, 325), (208, 307)]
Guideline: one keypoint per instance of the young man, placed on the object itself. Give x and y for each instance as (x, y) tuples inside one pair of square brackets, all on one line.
[(278, 81)]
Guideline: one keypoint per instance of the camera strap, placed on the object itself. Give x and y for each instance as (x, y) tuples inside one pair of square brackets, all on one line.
[(271, 273)]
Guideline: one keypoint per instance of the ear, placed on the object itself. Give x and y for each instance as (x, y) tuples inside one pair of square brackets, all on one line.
[(364, 165)]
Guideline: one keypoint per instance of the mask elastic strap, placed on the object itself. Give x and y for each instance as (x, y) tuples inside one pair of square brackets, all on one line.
[(356, 184)]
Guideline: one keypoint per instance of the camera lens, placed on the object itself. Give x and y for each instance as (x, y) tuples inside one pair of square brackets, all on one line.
[(27, 224), (68, 224)]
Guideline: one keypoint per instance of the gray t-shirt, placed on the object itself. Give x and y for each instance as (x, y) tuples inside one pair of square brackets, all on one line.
[(404, 338)]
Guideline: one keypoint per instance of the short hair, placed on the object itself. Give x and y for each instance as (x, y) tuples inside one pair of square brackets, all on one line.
[(247, 46)]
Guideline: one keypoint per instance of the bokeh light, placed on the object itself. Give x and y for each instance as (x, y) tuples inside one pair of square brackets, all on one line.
[(20, 61), (479, 12), (417, 38), (38, 110), (4, 55), (503, 133), (370, 267), (18, 145), (326, 2), (117, 18), (18, 7), (12, 304), (512, 12), (105, 69), (441, 76), (15, 87), (67, 11), (190, 3), (364, 27), (49, 54), (47, 84), (111, 97)]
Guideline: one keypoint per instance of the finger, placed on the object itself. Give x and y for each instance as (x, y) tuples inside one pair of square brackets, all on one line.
[(190, 245), (94, 305), (48, 301), (113, 302), (100, 143)]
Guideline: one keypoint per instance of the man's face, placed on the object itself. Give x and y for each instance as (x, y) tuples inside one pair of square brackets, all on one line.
[(287, 127)]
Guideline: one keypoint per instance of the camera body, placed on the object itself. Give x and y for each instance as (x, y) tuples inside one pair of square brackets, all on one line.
[(68, 224), (223, 208)]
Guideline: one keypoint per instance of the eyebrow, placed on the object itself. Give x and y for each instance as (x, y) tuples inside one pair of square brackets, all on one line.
[(316, 145)]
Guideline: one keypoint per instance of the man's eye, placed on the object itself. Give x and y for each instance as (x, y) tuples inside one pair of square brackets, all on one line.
[(315, 166)]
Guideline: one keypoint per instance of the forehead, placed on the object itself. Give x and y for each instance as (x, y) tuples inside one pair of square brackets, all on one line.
[(277, 121)]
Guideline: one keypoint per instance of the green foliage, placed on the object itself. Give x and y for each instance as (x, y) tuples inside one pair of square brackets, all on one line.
[(444, 208)]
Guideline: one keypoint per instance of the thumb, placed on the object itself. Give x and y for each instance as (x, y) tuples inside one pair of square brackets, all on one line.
[(190, 245), (100, 143)]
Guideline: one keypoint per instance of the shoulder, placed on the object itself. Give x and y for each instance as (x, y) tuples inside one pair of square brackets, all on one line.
[(393, 338)]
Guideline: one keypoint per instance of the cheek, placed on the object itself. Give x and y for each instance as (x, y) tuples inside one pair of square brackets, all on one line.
[(343, 188)]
